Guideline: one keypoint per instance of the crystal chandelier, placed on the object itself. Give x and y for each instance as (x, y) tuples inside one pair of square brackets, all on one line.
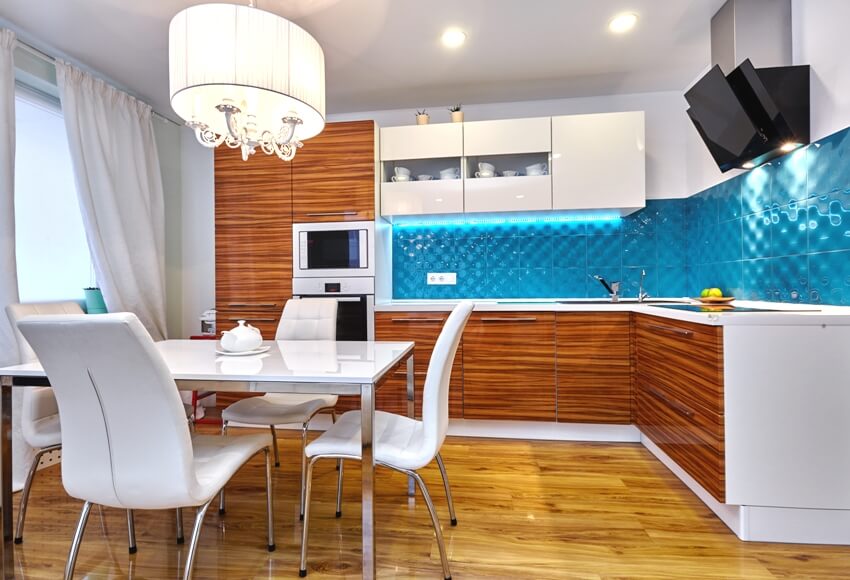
[(246, 78)]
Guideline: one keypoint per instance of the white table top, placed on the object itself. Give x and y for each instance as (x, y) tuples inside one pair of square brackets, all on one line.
[(291, 361)]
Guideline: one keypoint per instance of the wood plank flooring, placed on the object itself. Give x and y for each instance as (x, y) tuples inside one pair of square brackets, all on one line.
[(525, 509)]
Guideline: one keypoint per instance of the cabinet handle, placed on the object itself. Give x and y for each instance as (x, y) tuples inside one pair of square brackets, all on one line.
[(678, 407), (403, 373), (417, 319), (321, 213), (671, 329), (505, 319), (252, 319), (251, 305)]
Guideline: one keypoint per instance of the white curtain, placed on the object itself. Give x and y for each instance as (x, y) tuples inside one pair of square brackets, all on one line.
[(22, 453), (119, 185)]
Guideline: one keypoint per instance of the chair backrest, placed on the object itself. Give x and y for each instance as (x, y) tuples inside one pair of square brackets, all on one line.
[(37, 403), (435, 396), (308, 319), (16, 312), (125, 439)]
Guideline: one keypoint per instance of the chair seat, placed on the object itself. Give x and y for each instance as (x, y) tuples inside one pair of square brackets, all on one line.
[(397, 440), (44, 432), (218, 457), (277, 408)]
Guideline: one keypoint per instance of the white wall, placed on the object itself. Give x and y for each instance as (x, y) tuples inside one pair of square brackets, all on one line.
[(198, 232), (819, 29), (665, 120), (167, 136)]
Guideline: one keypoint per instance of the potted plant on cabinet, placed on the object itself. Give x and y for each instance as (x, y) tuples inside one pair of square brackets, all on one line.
[(457, 113), (422, 117)]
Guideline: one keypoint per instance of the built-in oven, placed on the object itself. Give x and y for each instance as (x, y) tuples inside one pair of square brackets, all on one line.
[(333, 250), (355, 318)]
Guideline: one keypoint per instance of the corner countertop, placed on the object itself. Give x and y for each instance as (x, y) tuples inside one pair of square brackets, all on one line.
[(783, 314)]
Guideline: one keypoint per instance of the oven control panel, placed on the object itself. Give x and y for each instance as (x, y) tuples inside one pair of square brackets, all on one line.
[(330, 286)]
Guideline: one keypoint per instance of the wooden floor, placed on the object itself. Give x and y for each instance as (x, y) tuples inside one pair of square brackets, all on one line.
[(525, 509)]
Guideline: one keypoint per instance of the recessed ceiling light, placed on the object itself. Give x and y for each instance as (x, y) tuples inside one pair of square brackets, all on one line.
[(748, 165), (623, 22), (790, 146), (453, 38)]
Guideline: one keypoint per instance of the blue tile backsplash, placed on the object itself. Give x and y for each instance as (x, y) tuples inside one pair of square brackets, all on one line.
[(780, 232)]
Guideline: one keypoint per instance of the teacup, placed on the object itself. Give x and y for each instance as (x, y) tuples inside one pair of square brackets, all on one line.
[(424, 177), (401, 178), (402, 171), (484, 174), (510, 173), (450, 173), (486, 168), (537, 169)]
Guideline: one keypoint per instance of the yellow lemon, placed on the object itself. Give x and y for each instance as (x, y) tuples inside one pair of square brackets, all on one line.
[(715, 293)]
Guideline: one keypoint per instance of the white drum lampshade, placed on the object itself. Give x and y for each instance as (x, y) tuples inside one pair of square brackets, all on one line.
[(246, 77)]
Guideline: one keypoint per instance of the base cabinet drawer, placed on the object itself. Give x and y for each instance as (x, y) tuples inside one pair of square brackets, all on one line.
[(679, 431)]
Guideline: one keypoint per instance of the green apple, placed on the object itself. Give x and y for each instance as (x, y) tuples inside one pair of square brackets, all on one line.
[(704, 293)]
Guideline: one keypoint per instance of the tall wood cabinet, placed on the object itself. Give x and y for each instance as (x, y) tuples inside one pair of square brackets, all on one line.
[(333, 175), (509, 366), (253, 239)]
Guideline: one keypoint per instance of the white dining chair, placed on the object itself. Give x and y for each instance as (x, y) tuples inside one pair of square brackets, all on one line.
[(400, 443), (39, 414), (125, 440), (302, 319), (40, 425)]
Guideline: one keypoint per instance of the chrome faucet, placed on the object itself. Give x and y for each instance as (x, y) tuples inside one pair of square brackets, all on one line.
[(613, 288), (641, 294)]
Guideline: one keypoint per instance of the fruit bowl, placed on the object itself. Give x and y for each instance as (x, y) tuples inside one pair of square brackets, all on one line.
[(715, 299)]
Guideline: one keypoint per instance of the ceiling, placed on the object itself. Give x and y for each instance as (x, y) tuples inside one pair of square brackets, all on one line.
[(386, 54)]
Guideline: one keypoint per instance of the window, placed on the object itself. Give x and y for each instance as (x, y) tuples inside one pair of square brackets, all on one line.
[(52, 253)]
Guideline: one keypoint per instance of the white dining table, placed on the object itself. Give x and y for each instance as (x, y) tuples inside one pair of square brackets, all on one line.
[(315, 367)]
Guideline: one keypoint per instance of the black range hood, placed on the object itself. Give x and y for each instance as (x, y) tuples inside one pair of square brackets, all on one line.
[(751, 115)]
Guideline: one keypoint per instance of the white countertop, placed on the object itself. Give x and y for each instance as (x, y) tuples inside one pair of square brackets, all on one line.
[(784, 313)]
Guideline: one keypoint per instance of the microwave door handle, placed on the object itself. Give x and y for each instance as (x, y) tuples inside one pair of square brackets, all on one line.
[(347, 299)]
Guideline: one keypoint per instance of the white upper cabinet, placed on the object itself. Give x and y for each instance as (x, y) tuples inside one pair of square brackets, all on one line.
[(507, 137), (422, 141), (598, 161)]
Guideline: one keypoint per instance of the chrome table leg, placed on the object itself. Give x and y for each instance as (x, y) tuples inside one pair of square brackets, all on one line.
[(6, 474), (367, 423)]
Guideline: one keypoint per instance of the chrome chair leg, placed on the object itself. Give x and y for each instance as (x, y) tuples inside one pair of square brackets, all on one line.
[(302, 572), (274, 440), (269, 500), (448, 489), (333, 420), (303, 464), (221, 507), (78, 538), (131, 531), (25, 494), (193, 541), (339, 490), (180, 538), (437, 529)]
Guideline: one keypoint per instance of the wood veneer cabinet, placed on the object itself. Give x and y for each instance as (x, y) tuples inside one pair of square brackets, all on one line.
[(333, 175), (509, 366), (594, 367), (679, 380), (253, 242), (422, 328), (253, 239)]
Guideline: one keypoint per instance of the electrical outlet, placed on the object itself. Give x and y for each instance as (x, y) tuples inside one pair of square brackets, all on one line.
[(442, 278)]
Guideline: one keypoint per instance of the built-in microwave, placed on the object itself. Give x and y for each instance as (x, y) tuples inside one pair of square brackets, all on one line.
[(333, 249)]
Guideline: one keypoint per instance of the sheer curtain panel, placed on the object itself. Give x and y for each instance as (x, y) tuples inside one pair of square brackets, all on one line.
[(116, 169)]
